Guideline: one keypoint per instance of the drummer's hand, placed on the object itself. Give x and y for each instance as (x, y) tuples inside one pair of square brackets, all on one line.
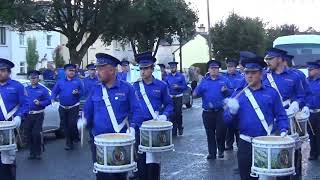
[(232, 104), (82, 122), (175, 86), (294, 107), (284, 134), (306, 110), (224, 88), (76, 91), (162, 118), (132, 131), (36, 101), (17, 121)]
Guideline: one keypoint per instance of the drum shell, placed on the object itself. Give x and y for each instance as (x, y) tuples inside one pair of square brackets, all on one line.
[(7, 137), (114, 156), (273, 158), (303, 133)]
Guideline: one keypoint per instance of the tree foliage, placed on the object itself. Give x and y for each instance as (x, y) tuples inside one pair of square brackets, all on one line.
[(32, 56), (57, 57)]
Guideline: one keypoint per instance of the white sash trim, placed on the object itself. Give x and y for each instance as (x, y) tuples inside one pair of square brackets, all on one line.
[(4, 110), (258, 111), (274, 85), (147, 101), (117, 127)]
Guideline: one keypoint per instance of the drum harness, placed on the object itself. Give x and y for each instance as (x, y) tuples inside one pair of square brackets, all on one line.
[(117, 127), (147, 101), (274, 85), (4, 110), (260, 115)]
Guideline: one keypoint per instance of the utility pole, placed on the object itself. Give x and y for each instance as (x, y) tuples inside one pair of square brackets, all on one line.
[(209, 34)]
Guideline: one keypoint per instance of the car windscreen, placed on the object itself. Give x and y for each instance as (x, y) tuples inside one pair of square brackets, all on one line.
[(302, 52)]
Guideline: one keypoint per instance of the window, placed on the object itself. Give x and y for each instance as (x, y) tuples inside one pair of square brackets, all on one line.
[(49, 39), (117, 45), (2, 36), (22, 39), (22, 67)]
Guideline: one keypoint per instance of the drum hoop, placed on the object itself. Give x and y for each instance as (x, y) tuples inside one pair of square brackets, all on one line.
[(9, 126), (155, 128), (115, 169), (8, 147), (129, 140), (156, 149), (302, 119), (273, 172), (289, 141), (111, 144), (148, 126)]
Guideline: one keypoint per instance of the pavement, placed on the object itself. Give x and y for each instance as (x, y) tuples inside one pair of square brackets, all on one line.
[(187, 162)]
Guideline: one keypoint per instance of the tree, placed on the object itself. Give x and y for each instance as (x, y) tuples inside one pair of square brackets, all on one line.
[(57, 57), (147, 22), (235, 34), (278, 31), (32, 55), (81, 21)]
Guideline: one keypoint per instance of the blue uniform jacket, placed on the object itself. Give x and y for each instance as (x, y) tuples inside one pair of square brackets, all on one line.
[(39, 93), (177, 79), (210, 91), (289, 85), (64, 89), (89, 83), (270, 104), (48, 74), (122, 76), (158, 95), (313, 99), (124, 101), (234, 79), (13, 93)]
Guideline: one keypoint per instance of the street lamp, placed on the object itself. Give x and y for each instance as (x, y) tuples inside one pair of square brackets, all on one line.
[(209, 25)]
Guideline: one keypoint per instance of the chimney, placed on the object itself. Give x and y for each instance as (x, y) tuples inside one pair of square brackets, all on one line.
[(201, 28)]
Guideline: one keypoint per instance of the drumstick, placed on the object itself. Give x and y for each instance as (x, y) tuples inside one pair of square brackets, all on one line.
[(127, 123), (239, 93), (298, 125), (18, 133), (81, 138), (310, 125)]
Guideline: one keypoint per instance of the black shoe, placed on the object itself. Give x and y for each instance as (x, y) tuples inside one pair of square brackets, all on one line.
[(38, 157), (210, 156), (174, 133), (236, 171), (68, 148), (220, 155), (31, 157), (180, 132), (229, 148), (312, 158)]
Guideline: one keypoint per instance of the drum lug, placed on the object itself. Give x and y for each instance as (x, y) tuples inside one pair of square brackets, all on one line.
[(253, 174), (135, 170), (94, 171)]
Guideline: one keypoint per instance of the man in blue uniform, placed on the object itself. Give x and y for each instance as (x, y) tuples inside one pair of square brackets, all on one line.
[(163, 71), (177, 84), (124, 104), (125, 68), (49, 73), (235, 79), (69, 90), (37, 98), (313, 102), (155, 104), (289, 87), (240, 108), (13, 107), (213, 89), (91, 80)]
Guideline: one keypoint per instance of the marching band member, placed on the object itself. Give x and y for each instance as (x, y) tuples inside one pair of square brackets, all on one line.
[(38, 98), (254, 121), (213, 89), (177, 84), (154, 96), (313, 102), (125, 68), (13, 107), (69, 90), (122, 104), (91, 80)]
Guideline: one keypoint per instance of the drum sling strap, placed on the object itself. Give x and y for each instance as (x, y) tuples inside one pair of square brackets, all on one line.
[(147, 101), (117, 127), (274, 85), (7, 115), (258, 111)]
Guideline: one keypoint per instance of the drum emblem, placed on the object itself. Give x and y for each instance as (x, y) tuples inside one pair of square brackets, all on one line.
[(283, 157), (118, 154), (162, 138)]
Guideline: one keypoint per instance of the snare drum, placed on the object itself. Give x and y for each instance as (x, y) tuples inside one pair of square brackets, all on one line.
[(156, 136), (7, 140), (302, 119), (273, 156), (292, 129), (114, 153)]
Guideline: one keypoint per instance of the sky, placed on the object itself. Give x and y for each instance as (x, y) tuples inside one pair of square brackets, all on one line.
[(303, 13)]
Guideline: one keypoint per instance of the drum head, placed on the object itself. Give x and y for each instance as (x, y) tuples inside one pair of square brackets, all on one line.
[(155, 123), (290, 114), (300, 116), (114, 137), (7, 125), (274, 140)]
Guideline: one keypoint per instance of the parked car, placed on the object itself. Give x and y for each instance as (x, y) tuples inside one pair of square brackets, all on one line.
[(51, 123)]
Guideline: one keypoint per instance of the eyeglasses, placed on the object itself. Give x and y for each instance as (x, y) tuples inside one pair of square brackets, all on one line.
[(268, 58)]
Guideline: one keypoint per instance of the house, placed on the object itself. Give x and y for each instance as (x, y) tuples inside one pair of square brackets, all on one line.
[(13, 46), (115, 48), (165, 50), (194, 51)]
